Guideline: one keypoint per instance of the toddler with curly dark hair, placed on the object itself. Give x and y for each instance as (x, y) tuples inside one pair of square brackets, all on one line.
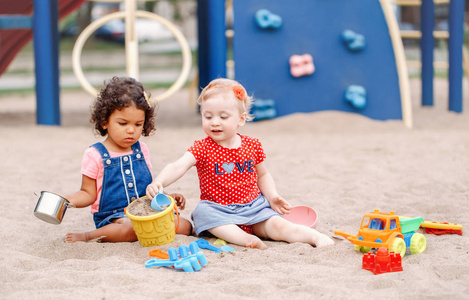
[(117, 170)]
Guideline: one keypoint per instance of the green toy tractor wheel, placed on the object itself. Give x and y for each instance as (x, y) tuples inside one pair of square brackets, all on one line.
[(361, 248), (418, 243), (398, 246)]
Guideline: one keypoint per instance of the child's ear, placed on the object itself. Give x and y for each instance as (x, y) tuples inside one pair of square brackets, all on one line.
[(242, 120)]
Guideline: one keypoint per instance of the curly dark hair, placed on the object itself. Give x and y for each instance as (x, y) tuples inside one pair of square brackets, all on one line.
[(119, 93)]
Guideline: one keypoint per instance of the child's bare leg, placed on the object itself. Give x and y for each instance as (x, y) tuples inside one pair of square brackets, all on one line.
[(279, 229), (235, 235), (185, 226), (120, 230)]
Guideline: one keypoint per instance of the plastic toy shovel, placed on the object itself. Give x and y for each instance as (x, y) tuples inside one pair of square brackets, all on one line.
[(159, 201), (203, 244)]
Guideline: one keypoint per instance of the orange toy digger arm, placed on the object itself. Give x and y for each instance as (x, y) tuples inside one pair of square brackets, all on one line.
[(343, 233)]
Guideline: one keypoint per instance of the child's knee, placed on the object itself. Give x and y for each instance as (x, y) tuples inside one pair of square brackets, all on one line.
[(185, 227), (128, 232), (280, 225)]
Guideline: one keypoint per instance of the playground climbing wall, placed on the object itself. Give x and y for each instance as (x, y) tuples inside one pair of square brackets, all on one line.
[(314, 55)]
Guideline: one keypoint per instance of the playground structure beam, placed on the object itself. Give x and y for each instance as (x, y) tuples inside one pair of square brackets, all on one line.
[(212, 54), (427, 20), (46, 58), (455, 59)]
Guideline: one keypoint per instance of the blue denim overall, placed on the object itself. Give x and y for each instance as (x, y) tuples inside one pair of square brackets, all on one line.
[(125, 178)]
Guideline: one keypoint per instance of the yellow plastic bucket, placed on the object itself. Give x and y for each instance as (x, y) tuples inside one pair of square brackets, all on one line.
[(157, 229)]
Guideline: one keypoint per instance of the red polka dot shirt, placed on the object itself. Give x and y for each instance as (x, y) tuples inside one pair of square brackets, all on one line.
[(228, 176)]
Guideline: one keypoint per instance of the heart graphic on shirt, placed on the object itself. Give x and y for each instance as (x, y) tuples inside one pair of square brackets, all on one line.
[(228, 167)]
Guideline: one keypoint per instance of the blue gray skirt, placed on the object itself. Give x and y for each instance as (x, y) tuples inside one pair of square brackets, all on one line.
[(208, 214)]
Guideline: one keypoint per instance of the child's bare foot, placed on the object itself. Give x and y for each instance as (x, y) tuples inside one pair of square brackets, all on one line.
[(323, 240), (76, 237), (256, 244)]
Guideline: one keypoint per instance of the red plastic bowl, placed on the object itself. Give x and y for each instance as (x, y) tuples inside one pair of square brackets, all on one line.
[(302, 215)]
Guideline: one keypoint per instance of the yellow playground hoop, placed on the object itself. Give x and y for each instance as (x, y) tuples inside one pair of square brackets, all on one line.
[(86, 33)]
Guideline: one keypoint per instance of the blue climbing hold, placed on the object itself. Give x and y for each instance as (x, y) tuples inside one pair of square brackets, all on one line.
[(353, 41), (267, 20), (355, 95), (263, 109)]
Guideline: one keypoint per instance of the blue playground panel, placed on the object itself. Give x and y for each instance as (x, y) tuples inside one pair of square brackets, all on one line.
[(315, 27)]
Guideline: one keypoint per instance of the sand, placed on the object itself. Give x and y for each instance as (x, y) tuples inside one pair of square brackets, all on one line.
[(343, 165), (141, 207)]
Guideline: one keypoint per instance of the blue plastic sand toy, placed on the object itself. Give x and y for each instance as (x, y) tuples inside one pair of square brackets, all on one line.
[(203, 244), (181, 259)]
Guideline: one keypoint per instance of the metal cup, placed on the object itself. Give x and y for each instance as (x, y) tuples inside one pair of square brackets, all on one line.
[(51, 207)]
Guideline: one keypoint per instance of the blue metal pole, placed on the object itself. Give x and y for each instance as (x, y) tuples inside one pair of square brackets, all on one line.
[(212, 52), (455, 74), (218, 42), (427, 22), (203, 38), (46, 57)]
